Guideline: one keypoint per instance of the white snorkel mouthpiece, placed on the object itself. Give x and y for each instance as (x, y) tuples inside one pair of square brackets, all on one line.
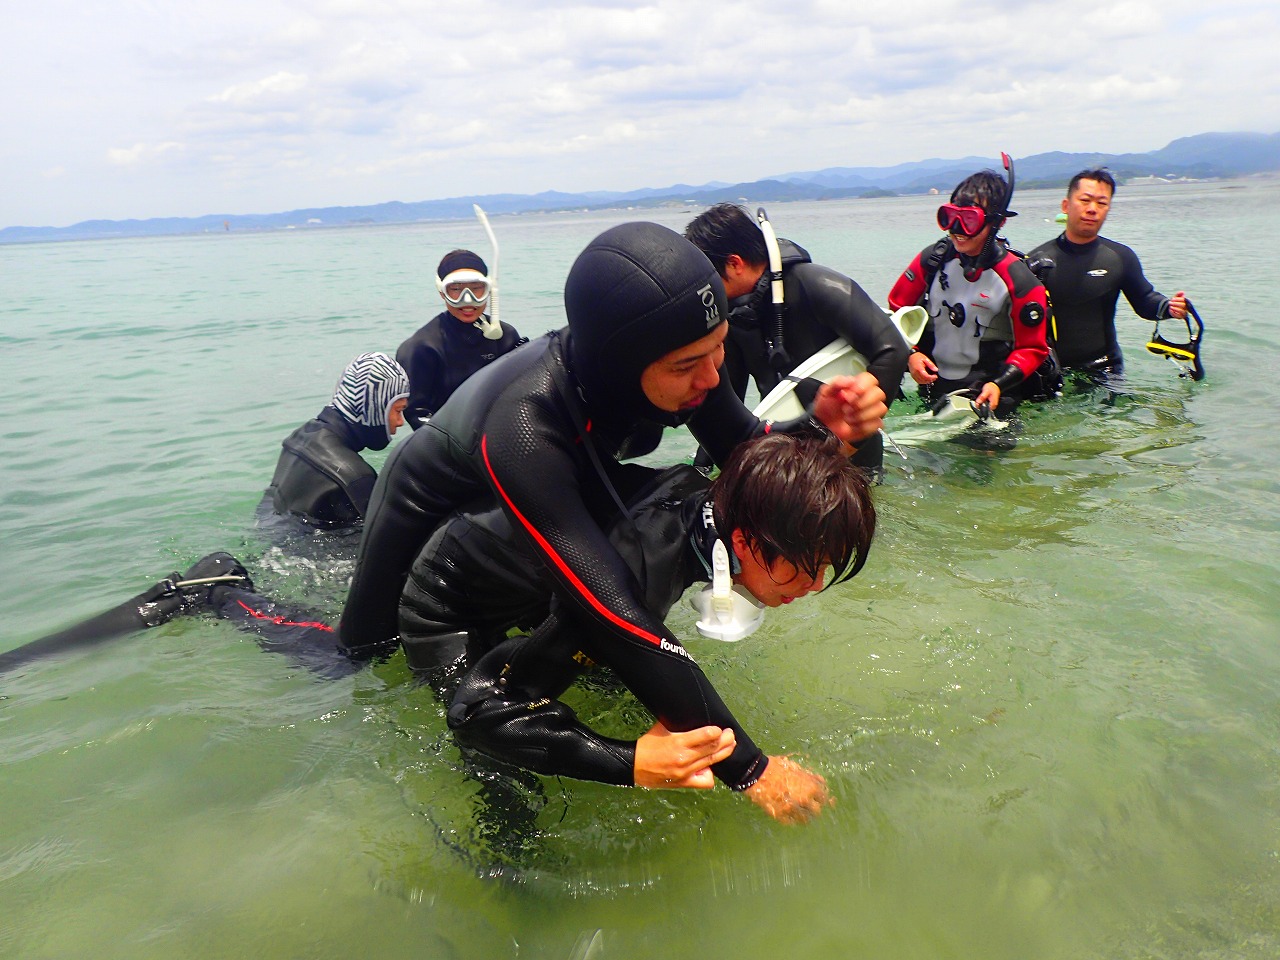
[(725, 612), (489, 326)]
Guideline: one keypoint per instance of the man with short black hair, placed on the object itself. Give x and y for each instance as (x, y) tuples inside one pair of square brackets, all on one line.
[(819, 305), (1085, 274)]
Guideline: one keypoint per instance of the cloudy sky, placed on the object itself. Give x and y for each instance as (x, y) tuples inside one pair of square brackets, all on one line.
[(148, 108)]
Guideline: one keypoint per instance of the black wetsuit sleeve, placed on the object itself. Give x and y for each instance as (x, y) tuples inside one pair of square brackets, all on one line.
[(421, 358), (535, 465), (723, 422), (839, 304), (535, 730), (360, 491), (1137, 289)]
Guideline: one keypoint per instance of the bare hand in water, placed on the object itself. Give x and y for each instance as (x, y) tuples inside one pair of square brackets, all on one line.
[(788, 792)]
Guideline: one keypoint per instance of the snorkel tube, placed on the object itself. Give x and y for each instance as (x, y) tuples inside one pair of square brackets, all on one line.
[(778, 358), (1186, 356), (997, 218), (488, 323)]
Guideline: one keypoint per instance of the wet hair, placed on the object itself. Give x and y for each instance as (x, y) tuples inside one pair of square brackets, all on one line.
[(985, 189), (726, 229), (798, 498), (1102, 175)]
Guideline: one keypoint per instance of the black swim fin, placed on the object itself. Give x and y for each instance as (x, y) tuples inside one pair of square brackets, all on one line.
[(176, 594)]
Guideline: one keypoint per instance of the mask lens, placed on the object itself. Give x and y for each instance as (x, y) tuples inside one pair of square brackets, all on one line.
[(466, 293), (967, 221)]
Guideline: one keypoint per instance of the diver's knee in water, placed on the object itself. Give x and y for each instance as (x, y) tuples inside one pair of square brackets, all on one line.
[(427, 651)]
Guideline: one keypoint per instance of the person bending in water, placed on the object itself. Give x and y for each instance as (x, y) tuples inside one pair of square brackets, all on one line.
[(1085, 274), (542, 430), (987, 310), (785, 509), (320, 477), (791, 508), (819, 305), (455, 344)]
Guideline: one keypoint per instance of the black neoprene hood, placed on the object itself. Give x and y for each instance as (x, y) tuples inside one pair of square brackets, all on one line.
[(637, 292)]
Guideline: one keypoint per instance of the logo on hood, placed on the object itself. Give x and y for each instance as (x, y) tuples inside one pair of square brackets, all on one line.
[(710, 306)]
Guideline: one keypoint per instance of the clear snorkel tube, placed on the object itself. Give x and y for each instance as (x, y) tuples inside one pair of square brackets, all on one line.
[(778, 358), (488, 323), (725, 612)]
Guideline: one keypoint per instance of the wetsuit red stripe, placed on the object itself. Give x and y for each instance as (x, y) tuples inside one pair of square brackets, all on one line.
[(281, 621), (558, 560)]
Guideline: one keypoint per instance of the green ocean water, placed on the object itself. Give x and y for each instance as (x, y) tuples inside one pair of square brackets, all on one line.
[(1048, 708)]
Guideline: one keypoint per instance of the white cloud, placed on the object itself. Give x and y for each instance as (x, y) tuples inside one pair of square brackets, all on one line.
[(272, 88), (141, 153)]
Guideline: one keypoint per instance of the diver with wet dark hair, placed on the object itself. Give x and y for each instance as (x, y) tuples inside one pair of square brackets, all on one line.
[(456, 343), (772, 329), (540, 430), (784, 512), (988, 312), (320, 478)]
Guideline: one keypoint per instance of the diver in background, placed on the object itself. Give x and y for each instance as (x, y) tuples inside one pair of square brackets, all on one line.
[(455, 344), (320, 478), (987, 310), (1085, 274), (819, 305)]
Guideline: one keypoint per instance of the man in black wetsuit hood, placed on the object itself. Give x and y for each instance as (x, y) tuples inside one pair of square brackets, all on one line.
[(320, 477), (542, 433)]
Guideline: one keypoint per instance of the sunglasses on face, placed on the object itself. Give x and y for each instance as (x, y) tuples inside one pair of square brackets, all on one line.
[(966, 221)]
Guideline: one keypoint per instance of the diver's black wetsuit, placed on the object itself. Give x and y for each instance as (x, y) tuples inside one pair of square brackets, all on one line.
[(821, 305), (1084, 284), (509, 432), (472, 578), (441, 355), (320, 477)]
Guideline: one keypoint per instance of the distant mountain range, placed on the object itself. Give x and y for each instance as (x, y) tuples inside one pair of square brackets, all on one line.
[(1200, 157)]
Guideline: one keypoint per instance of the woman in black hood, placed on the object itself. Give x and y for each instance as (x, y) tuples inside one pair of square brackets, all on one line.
[(543, 430)]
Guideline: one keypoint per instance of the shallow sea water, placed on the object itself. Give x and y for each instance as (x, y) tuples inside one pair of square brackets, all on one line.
[(1047, 707)]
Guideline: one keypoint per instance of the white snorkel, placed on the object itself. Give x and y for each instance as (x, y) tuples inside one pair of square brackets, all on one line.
[(488, 323), (725, 612), (778, 358)]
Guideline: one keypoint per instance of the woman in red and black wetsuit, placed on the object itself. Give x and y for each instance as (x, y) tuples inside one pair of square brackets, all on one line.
[(987, 310)]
